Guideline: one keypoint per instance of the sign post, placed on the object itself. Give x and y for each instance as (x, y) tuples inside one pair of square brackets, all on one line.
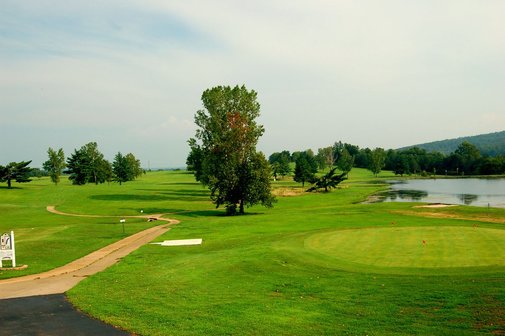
[(7, 249)]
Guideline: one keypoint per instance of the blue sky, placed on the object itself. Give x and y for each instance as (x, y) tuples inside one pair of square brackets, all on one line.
[(129, 74)]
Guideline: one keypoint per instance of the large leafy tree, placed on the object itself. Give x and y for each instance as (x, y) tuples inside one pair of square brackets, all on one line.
[(134, 165), (105, 172), (55, 164), (279, 163), (126, 168), (325, 157), (345, 161), (377, 160), (17, 171), (97, 168), (468, 157), (87, 164), (223, 152), (304, 170), (77, 167), (120, 168), (195, 159)]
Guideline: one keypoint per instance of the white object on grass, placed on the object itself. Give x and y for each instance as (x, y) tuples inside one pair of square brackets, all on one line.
[(180, 242)]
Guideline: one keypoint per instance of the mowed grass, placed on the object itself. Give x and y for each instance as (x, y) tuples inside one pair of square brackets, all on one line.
[(286, 271), (413, 247), (45, 240)]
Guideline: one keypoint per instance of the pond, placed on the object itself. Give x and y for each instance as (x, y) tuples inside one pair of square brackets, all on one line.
[(463, 191)]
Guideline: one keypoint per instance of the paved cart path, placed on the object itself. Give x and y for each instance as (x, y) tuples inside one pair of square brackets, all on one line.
[(49, 315), (61, 279), (35, 304)]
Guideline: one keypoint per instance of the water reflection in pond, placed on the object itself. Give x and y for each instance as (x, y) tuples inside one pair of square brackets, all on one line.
[(467, 191)]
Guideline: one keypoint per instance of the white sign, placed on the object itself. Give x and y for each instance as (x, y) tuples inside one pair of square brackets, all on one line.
[(7, 250)]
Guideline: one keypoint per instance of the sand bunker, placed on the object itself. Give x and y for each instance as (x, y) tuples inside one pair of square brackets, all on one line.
[(435, 205)]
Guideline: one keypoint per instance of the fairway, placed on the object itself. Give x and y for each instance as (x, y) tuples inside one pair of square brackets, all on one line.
[(416, 247), (315, 264)]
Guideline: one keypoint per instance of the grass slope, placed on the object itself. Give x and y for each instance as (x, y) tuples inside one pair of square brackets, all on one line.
[(45, 240), (263, 273), (275, 271)]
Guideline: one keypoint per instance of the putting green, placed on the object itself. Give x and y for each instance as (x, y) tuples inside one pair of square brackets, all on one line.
[(413, 247)]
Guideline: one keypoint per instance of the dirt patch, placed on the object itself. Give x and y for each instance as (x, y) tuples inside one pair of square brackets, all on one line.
[(288, 192)]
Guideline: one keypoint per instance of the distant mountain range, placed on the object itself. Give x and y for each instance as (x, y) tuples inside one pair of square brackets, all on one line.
[(491, 144)]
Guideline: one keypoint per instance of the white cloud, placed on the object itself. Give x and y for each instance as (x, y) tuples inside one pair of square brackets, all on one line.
[(324, 70)]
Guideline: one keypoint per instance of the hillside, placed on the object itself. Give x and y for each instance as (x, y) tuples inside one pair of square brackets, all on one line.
[(491, 144)]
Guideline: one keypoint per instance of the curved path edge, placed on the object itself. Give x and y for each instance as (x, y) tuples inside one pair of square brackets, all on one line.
[(61, 279)]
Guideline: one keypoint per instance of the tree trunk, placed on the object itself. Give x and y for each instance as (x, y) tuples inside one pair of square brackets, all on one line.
[(9, 183), (241, 211)]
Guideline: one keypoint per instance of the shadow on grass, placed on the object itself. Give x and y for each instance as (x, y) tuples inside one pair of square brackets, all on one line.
[(11, 188), (182, 183), (202, 213), (182, 196), (148, 211), (181, 192), (216, 213), (129, 197)]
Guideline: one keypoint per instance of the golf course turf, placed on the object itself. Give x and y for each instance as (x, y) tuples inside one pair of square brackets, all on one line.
[(315, 264), (426, 247)]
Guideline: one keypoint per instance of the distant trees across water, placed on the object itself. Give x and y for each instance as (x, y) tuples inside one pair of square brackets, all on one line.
[(465, 160)]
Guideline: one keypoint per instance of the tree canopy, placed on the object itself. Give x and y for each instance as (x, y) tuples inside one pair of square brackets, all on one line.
[(280, 163), (304, 170), (378, 158), (328, 181), (223, 153), (55, 164), (125, 168), (17, 171), (87, 165)]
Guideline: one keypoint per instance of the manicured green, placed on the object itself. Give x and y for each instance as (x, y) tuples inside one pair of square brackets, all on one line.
[(281, 271), (413, 247)]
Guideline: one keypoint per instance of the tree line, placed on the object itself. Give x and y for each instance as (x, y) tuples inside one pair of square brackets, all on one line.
[(85, 165), (465, 160)]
